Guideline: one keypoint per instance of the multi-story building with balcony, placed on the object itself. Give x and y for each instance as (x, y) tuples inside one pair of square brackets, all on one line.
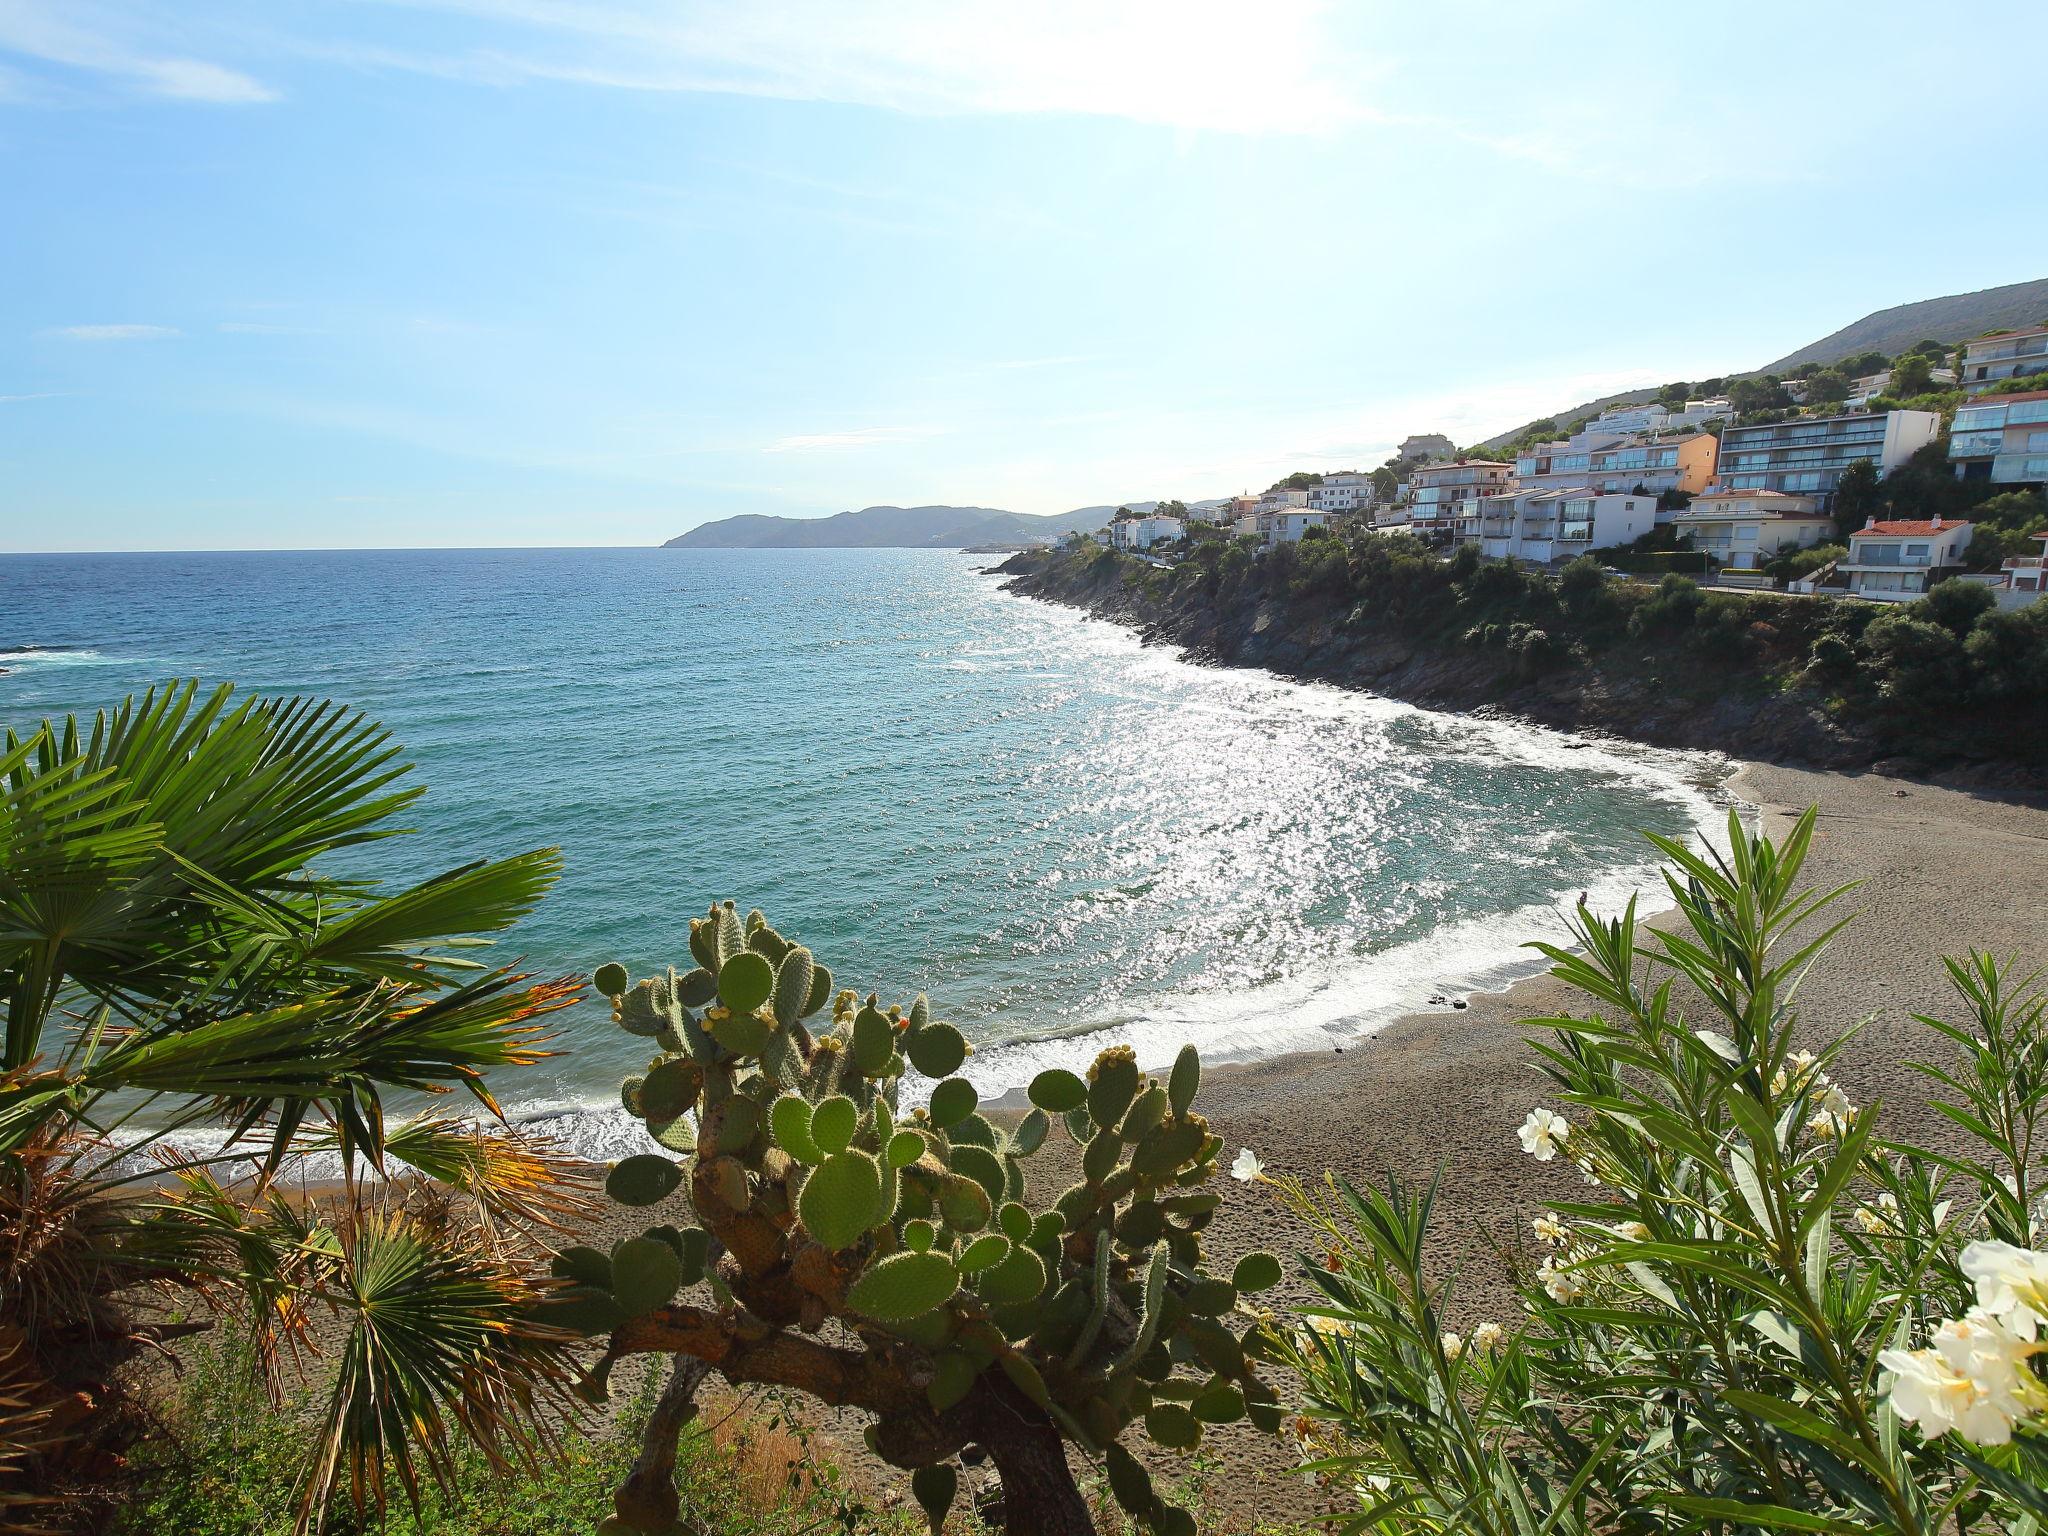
[(1437, 493), (1546, 525), (1806, 455), (1896, 562), (1654, 417), (2003, 439), (1287, 525), (1135, 533), (1620, 462), (1344, 491), (2026, 576), (2004, 355), (1744, 529)]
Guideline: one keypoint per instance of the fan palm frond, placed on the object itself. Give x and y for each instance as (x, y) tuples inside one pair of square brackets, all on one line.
[(440, 1330)]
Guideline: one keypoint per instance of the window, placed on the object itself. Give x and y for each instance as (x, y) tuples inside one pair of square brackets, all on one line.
[(2028, 411), (1916, 551)]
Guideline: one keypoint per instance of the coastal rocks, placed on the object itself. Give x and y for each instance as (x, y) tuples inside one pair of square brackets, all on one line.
[(1667, 698)]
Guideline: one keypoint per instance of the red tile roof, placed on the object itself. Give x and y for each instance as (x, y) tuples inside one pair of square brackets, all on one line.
[(1910, 530)]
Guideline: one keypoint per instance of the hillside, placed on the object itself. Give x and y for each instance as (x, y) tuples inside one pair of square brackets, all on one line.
[(888, 528), (1956, 317)]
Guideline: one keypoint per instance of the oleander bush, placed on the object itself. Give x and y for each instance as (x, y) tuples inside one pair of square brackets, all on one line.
[(897, 1260), (1754, 1312)]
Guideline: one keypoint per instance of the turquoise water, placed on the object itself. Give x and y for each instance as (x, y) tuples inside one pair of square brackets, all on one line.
[(1052, 829)]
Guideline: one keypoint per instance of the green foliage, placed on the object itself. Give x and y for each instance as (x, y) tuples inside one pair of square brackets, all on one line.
[(977, 1302), (1825, 386), (176, 954), (1856, 495), (1731, 1248)]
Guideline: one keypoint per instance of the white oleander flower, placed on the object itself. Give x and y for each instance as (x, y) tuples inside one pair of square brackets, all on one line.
[(1719, 1044), (1331, 1327), (1543, 1133), (1487, 1337), (1551, 1228), (1835, 1102), (1928, 1391), (1453, 1346), (1827, 1125), (1562, 1285), (1879, 1216), (1634, 1231), (1990, 1354), (2012, 1285), (1247, 1167)]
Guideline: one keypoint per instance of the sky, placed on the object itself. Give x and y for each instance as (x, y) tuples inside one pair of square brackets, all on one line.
[(386, 273)]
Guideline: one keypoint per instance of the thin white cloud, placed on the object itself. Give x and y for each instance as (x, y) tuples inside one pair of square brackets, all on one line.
[(90, 37), (861, 437), (48, 394), (1198, 64), (117, 332)]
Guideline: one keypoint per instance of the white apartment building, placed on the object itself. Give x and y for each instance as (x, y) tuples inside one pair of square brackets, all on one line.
[(1132, 534), (2005, 355), (1548, 524), (1807, 454), (1652, 417), (1621, 461), (1437, 493), (1896, 562), (1344, 491), (1746, 529)]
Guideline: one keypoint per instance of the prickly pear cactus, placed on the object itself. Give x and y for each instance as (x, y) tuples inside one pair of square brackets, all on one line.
[(979, 1303)]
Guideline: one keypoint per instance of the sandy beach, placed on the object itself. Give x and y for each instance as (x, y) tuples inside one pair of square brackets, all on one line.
[(1941, 870)]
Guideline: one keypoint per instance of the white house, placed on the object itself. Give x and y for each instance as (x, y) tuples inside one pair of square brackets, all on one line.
[(1288, 524), (1279, 499), (1551, 524), (1745, 529), (1135, 533), (1895, 562)]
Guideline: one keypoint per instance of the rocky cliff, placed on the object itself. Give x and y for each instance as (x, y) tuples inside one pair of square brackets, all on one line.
[(1662, 694)]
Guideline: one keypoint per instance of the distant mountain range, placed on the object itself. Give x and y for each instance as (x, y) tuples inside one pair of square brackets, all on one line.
[(895, 528), (1956, 317)]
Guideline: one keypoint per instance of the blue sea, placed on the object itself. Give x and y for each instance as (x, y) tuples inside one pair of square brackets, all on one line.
[(1067, 838)]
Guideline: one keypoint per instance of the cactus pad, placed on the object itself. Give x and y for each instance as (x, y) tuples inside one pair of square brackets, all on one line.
[(953, 1101), (1256, 1272), (611, 980), (645, 1274), (745, 981), (670, 1089), (904, 1286), (842, 1199), (1058, 1091), (937, 1050), (643, 1180), (933, 1488)]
